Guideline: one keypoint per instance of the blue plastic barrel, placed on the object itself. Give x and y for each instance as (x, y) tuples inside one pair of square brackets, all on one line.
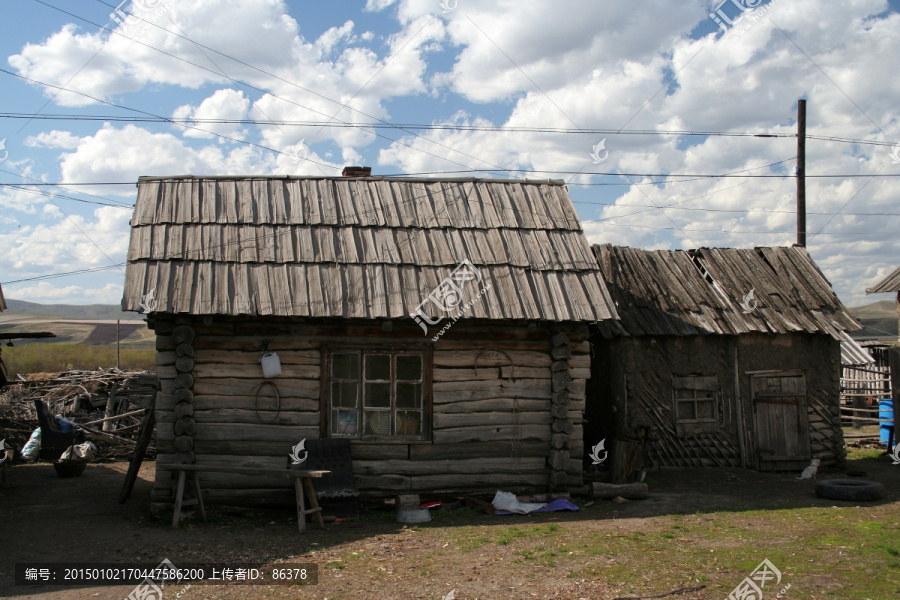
[(886, 413)]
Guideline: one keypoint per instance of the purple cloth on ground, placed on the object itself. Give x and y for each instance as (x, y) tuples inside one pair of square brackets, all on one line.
[(556, 505)]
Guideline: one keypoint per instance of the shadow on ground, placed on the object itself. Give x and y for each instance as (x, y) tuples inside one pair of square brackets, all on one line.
[(44, 518)]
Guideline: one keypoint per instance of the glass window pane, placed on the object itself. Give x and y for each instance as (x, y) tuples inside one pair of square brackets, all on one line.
[(378, 422), (409, 395), (409, 368), (409, 422), (378, 395), (686, 411), (378, 366), (344, 422), (344, 394), (345, 366), (705, 410)]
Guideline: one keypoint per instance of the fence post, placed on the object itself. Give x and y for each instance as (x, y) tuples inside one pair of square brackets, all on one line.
[(895, 388)]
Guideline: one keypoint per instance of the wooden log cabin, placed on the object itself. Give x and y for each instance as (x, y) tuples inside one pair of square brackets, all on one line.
[(440, 325), (720, 357)]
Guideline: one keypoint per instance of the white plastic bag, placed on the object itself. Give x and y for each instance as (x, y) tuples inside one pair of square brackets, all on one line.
[(33, 447), (508, 501), (85, 451)]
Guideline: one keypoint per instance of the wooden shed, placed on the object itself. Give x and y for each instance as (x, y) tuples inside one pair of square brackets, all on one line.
[(891, 283), (720, 357), (440, 325)]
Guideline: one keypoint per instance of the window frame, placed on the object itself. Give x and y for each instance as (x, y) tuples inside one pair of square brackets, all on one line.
[(695, 384), (325, 403)]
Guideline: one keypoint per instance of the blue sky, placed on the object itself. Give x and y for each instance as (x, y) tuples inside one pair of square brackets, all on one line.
[(584, 91)]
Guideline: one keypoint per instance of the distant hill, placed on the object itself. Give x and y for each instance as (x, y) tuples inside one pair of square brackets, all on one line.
[(879, 320), (87, 312), (883, 309)]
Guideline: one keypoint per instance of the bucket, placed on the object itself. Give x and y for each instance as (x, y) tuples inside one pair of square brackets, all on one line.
[(413, 515), (271, 364), (886, 413)]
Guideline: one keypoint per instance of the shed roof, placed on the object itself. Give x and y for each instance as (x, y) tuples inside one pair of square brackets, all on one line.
[(852, 353), (368, 247), (891, 283), (719, 291)]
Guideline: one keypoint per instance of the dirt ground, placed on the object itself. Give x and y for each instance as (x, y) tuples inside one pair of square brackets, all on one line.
[(44, 518)]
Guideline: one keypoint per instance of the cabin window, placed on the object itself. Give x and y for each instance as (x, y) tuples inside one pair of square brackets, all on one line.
[(696, 404), (377, 393)]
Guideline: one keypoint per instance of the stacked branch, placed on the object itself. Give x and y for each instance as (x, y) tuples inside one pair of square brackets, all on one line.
[(108, 404)]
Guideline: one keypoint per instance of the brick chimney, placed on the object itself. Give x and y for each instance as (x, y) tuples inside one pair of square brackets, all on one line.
[(357, 172)]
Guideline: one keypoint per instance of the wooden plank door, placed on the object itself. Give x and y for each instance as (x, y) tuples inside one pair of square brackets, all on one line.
[(780, 421)]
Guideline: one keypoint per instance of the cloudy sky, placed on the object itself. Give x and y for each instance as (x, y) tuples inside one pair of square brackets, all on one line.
[(609, 96)]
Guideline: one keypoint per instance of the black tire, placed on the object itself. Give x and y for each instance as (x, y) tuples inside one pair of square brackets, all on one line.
[(849, 489)]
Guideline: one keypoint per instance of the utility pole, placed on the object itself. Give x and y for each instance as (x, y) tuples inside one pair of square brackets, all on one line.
[(801, 172)]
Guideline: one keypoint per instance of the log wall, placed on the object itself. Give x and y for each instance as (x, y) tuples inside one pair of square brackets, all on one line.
[(494, 422)]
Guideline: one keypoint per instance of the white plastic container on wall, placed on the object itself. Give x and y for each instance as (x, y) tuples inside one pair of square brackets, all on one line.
[(271, 364)]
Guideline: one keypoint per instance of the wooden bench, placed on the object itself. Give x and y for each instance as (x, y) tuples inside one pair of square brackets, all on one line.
[(302, 480)]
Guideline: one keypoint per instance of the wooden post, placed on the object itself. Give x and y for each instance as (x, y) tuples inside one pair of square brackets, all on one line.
[(801, 172), (739, 409), (895, 389), (117, 344), (110, 408)]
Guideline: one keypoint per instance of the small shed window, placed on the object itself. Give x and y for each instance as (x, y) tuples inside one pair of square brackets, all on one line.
[(377, 393), (696, 404)]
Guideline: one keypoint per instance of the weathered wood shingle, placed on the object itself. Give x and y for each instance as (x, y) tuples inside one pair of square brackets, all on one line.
[(706, 291), (358, 247), (891, 283)]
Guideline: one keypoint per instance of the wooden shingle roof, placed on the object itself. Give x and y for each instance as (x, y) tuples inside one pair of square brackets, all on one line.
[(708, 291), (369, 247), (891, 283)]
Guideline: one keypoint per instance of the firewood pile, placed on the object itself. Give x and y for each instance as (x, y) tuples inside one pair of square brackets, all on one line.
[(108, 404)]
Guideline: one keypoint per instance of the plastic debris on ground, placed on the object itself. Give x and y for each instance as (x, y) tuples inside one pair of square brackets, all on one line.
[(86, 451), (506, 503)]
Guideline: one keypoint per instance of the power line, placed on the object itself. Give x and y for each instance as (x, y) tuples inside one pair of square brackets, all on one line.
[(108, 202), (250, 86), (66, 273), (388, 125), (723, 210), (662, 175), (739, 232), (433, 127)]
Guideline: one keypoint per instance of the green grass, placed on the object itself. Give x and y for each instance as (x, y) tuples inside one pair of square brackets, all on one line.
[(50, 358), (863, 453)]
